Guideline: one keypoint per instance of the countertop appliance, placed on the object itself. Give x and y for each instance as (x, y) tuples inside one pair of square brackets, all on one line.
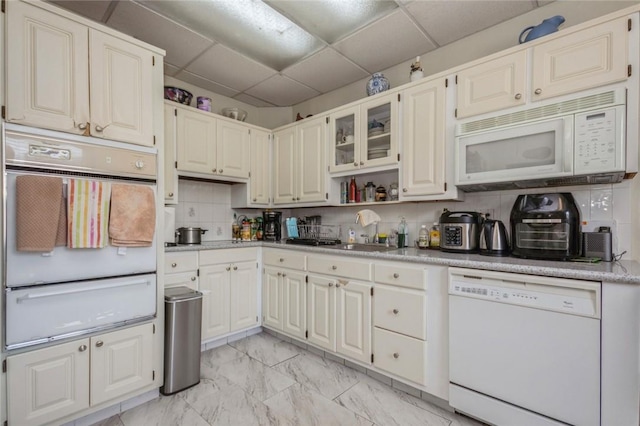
[(272, 222), (494, 240), (524, 350), (459, 231), (553, 144), (546, 226)]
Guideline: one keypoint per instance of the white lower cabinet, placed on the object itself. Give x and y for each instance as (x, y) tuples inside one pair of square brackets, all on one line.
[(181, 269), (284, 295), (55, 382), (321, 312)]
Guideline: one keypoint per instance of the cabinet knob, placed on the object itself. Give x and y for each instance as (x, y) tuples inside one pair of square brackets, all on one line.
[(338, 285), (334, 267), (82, 126), (297, 198), (235, 268), (99, 129), (362, 163), (255, 199), (538, 91), (404, 189), (220, 171), (171, 194), (279, 274), (82, 348), (173, 265), (228, 268), (518, 96), (193, 278), (395, 312), (294, 198), (396, 355), (355, 164), (284, 275), (215, 170), (99, 344), (282, 259), (396, 275), (330, 284), (139, 164)]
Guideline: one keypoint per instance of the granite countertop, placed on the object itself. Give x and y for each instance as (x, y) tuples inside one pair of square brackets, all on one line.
[(624, 271)]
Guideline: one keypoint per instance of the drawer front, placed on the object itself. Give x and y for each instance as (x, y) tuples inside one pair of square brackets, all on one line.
[(401, 310), (356, 269), (401, 275), (187, 279), (400, 355), (285, 259), (215, 257), (182, 261)]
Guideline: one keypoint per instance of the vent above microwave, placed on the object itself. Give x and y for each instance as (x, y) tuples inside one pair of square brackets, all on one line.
[(531, 114)]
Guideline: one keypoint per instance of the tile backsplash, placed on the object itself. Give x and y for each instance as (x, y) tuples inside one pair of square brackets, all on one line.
[(208, 205)]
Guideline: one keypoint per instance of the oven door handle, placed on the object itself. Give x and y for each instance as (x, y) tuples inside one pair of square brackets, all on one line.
[(30, 296)]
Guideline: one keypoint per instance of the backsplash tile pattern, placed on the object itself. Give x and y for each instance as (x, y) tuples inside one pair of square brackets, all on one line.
[(208, 205)]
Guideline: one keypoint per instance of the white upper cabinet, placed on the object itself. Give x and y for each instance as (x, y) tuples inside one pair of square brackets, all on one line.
[(581, 60), (170, 158), (284, 166), (423, 157), (260, 181), (69, 77), (233, 150)]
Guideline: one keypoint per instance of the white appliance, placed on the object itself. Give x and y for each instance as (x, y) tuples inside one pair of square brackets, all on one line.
[(69, 292), (576, 141), (524, 350)]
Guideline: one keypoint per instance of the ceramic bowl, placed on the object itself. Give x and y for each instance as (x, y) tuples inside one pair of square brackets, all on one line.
[(176, 94), (235, 113)]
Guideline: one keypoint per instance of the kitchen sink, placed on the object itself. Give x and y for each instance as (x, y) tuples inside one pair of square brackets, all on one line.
[(363, 247)]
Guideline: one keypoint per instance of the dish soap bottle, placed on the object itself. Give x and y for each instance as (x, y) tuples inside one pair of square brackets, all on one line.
[(423, 237), (434, 236), (402, 233)]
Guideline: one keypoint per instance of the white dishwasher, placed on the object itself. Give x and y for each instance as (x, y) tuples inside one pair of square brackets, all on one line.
[(524, 350)]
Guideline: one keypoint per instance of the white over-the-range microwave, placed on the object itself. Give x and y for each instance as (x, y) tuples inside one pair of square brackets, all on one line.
[(575, 141)]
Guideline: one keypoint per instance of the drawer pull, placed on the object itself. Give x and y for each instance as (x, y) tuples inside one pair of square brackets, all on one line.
[(220, 170), (279, 274), (82, 348), (334, 267), (538, 91), (82, 126), (173, 265), (396, 275), (235, 268), (284, 275), (338, 285), (99, 129), (396, 312), (518, 96), (99, 344), (193, 278), (171, 194), (282, 259), (214, 170), (396, 355), (330, 284), (228, 268)]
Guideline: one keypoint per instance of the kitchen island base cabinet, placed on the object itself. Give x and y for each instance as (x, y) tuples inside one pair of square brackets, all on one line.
[(55, 382)]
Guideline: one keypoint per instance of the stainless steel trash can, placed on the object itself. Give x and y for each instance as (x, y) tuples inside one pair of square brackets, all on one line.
[(183, 321)]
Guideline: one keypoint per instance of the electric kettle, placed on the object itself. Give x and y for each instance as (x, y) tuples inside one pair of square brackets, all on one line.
[(493, 238)]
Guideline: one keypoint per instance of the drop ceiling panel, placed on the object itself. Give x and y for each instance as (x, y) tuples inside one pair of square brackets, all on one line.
[(170, 70), (387, 42), (94, 9), (180, 43), (224, 66), (205, 84), (282, 91), (248, 99), (325, 71), (449, 21)]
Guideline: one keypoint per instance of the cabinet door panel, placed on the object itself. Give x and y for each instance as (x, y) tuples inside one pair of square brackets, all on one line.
[(121, 362), (311, 160), (47, 384), (48, 67), (493, 85), (353, 308), (294, 303), (233, 149), (423, 160), (589, 58), (260, 167), (196, 140), (345, 151), (379, 146), (284, 183), (121, 90), (244, 296), (214, 285), (170, 158), (321, 305), (272, 299)]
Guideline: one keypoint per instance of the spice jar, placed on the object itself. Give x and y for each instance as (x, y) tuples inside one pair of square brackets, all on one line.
[(381, 193)]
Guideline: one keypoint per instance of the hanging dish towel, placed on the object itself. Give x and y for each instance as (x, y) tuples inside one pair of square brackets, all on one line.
[(133, 216), (366, 217), (88, 213), (39, 214)]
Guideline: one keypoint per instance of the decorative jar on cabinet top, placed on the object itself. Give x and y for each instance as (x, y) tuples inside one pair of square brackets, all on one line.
[(378, 83)]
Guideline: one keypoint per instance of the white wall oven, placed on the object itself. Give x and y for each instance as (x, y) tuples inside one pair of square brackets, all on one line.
[(84, 283)]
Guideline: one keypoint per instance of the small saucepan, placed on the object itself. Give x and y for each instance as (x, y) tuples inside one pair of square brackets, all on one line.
[(189, 235)]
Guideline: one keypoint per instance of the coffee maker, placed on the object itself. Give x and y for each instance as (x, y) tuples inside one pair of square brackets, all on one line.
[(272, 221)]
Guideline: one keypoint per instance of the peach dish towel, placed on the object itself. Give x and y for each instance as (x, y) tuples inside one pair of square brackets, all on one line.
[(41, 220), (133, 216), (88, 213)]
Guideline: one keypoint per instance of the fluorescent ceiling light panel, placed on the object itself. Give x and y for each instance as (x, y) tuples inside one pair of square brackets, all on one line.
[(249, 27), (331, 20)]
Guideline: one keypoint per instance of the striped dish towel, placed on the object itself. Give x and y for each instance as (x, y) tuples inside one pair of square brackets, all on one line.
[(88, 213)]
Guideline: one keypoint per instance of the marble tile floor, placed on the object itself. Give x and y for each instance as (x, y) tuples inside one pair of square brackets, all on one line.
[(263, 380)]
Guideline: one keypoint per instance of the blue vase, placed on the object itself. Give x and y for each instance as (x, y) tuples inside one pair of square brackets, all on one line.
[(378, 83)]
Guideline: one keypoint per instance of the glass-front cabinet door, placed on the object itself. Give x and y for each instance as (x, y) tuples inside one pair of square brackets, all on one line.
[(344, 139), (379, 124)]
